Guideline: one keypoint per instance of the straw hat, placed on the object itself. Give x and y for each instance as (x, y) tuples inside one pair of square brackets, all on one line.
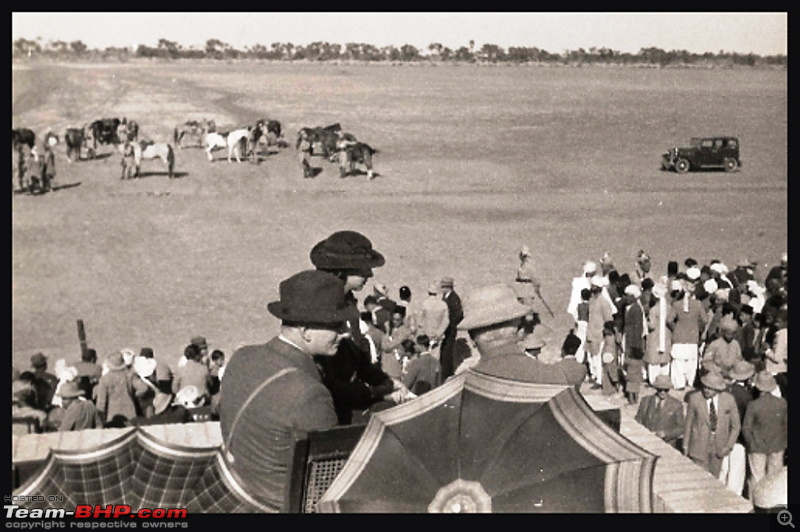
[(69, 390), (161, 402), (115, 361), (662, 382), (764, 381), (713, 381), (742, 370), (491, 304)]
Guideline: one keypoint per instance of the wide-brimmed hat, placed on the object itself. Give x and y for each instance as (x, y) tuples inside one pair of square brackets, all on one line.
[(346, 250), (764, 381), (741, 371), (161, 402), (69, 390), (489, 305), (38, 360), (713, 381), (662, 382), (115, 361), (311, 296)]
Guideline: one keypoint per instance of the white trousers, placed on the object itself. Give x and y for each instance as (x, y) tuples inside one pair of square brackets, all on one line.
[(684, 365), (654, 370), (734, 469)]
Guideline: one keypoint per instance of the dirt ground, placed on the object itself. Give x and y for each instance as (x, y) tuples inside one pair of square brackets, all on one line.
[(473, 163)]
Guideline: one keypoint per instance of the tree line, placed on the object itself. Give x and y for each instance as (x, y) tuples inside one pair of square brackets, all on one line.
[(435, 53)]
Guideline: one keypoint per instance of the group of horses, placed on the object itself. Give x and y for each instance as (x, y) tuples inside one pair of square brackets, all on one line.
[(247, 141)]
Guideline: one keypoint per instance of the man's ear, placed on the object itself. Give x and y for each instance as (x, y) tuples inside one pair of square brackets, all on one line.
[(304, 333)]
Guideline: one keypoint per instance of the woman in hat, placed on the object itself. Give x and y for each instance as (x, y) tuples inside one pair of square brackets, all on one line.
[(79, 412), (712, 424), (114, 393), (765, 429), (355, 383), (273, 392)]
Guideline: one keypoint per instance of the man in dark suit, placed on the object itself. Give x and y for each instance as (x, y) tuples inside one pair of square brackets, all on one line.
[(662, 414), (455, 315), (712, 424)]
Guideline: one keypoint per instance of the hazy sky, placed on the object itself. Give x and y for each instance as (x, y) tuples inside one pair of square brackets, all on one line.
[(761, 33)]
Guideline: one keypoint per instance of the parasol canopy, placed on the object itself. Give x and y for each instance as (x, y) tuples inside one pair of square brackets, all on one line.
[(483, 444), (141, 471)]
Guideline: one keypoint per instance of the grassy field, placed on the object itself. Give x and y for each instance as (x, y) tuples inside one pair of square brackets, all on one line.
[(474, 162)]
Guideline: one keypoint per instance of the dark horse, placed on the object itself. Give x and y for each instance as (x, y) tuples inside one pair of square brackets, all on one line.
[(103, 131), (265, 131), (74, 139), (326, 137), (359, 152), (22, 137)]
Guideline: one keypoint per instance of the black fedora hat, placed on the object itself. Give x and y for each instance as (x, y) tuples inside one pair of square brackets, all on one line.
[(311, 296), (346, 250)]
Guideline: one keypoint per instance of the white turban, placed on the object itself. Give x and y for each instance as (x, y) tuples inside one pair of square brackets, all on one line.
[(589, 267), (693, 273), (710, 286), (633, 290)]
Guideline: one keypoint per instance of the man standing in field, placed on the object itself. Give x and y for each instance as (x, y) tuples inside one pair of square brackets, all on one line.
[(305, 147)]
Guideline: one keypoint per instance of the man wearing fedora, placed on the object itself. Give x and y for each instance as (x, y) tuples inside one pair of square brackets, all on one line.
[(712, 424), (734, 469), (273, 395), (765, 429), (79, 412), (354, 381), (492, 316), (661, 413), (455, 313)]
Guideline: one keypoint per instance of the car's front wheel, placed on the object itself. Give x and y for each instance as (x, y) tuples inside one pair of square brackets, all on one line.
[(731, 165), (682, 166)]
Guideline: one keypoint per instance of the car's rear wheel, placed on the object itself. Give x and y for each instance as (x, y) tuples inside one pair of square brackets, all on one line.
[(682, 166), (731, 165)]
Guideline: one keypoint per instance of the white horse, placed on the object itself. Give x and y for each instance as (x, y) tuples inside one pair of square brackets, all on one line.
[(230, 140), (134, 152)]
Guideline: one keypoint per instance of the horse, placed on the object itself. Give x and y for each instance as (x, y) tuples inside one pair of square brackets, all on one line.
[(230, 140), (195, 128), (350, 154), (134, 152), (264, 131), (74, 138), (22, 137), (326, 137), (103, 131)]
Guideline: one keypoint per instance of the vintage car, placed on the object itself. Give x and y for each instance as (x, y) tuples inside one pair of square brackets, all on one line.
[(705, 152)]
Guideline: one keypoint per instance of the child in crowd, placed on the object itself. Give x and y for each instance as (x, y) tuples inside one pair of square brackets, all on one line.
[(608, 354)]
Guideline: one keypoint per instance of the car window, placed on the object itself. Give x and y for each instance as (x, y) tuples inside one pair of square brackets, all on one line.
[(707, 143), (731, 143), (718, 143)]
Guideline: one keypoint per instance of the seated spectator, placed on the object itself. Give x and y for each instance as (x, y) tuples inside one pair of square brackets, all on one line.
[(216, 367), (114, 393), (144, 385), (44, 383), (193, 373), (89, 372), (163, 374), (23, 399), (422, 372), (79, 412)]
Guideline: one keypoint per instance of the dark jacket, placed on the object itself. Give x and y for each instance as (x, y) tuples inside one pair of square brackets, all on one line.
[(765, 425), (668, 418), (455, 313)]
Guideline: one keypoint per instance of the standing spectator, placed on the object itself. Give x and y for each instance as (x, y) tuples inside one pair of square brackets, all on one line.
[(660, 321), (568, 364), (776, 355), (304, 146), (355, 383), (114, 394), (582, 322), (528, 285), (712, 424), (273, 393), (600, 312), (746, 335), (578, 284), (202, 347), (88, 372), (79, 412), (432, 320), (44, 383), (734, 468), (422, 372), (194, 373), (765, 429), (635, 329), (144, 385), (610, 358), (662, 414), (643, 265), (48, 168), (690, 322), (633, 368), (724, 351), (455, 313)]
